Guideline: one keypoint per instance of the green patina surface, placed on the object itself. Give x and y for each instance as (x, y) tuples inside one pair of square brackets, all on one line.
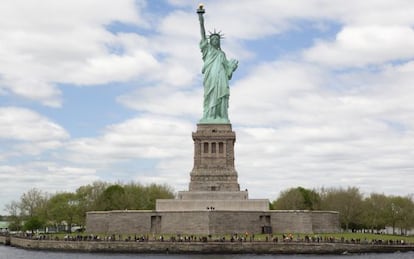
[(217, 71)]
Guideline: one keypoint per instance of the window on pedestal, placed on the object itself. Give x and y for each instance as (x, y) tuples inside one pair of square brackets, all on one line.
[(205, 147), (213, 147), (221, 147)]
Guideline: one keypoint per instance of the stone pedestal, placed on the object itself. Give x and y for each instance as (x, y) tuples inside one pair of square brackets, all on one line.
[(214, 159), (213, 184)]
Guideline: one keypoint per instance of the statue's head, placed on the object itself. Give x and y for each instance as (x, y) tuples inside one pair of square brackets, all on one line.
[(215, 41), (215, 38)]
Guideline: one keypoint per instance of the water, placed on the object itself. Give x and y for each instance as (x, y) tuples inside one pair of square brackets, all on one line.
[(7, 252)]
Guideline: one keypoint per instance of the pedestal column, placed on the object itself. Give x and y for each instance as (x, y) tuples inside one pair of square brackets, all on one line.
[(214, 159)]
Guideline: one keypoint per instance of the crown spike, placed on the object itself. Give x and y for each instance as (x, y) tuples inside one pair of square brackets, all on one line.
[(216, 33)]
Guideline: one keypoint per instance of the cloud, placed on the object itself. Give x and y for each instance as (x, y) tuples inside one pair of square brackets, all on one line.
[(26, 125), (24, 131), (66, 42), (145, 137), (104, 69), (271, 89), (359, 46), (49, 177), (145, 149), (318, 128), (165, 100)]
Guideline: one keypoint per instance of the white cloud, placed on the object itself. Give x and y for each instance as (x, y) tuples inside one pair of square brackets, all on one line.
[(146, 137), (324, 129), (359, 46), (165, 100), (49, 177), (64, 42), (26, 125), (103, 69), (25, 132), (270, 90)]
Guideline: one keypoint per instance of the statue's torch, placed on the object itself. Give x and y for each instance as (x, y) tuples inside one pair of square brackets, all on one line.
[(200, 9)]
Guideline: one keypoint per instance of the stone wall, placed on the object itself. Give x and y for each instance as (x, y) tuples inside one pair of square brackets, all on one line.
[(206, 248), (212, 222), (322, 221), (98, 221), (185, 222), (285, 221), (227, 222), (126, 221), (200, 205)]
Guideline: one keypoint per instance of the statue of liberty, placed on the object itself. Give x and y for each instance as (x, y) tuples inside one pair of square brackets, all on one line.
[(217, 72)]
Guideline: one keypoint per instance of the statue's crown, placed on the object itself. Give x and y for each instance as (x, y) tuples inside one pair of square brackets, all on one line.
[(216, 34)]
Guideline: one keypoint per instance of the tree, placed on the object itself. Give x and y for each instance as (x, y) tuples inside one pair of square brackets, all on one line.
[(297, 199), (13, 208), (374, 214), (33, 223), (31, 208), (33, 203), (88, 197), (113, 198), (134, 195), (407, 215), (72, 207), (400, 212), (154, 192), (64, 207), (348, 203)]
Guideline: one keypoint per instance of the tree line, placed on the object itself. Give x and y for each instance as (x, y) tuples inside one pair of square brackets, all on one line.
[(37, 209), (356, 212)]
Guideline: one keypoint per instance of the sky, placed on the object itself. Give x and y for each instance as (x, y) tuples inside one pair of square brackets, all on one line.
[(102, 90)]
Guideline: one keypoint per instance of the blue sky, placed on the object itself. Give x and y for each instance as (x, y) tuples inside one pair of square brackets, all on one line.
[(111, 90)]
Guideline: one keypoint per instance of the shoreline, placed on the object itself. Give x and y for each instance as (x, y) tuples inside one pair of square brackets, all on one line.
[(210, 247)]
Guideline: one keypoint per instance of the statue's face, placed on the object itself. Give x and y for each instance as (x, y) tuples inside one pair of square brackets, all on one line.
[(215, 41)]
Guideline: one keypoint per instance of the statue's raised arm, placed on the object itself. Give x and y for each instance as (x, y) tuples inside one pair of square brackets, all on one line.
[(217, 71), (200, 12)]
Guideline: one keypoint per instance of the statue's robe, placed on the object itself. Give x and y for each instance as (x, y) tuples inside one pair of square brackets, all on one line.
[(217, 72)]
